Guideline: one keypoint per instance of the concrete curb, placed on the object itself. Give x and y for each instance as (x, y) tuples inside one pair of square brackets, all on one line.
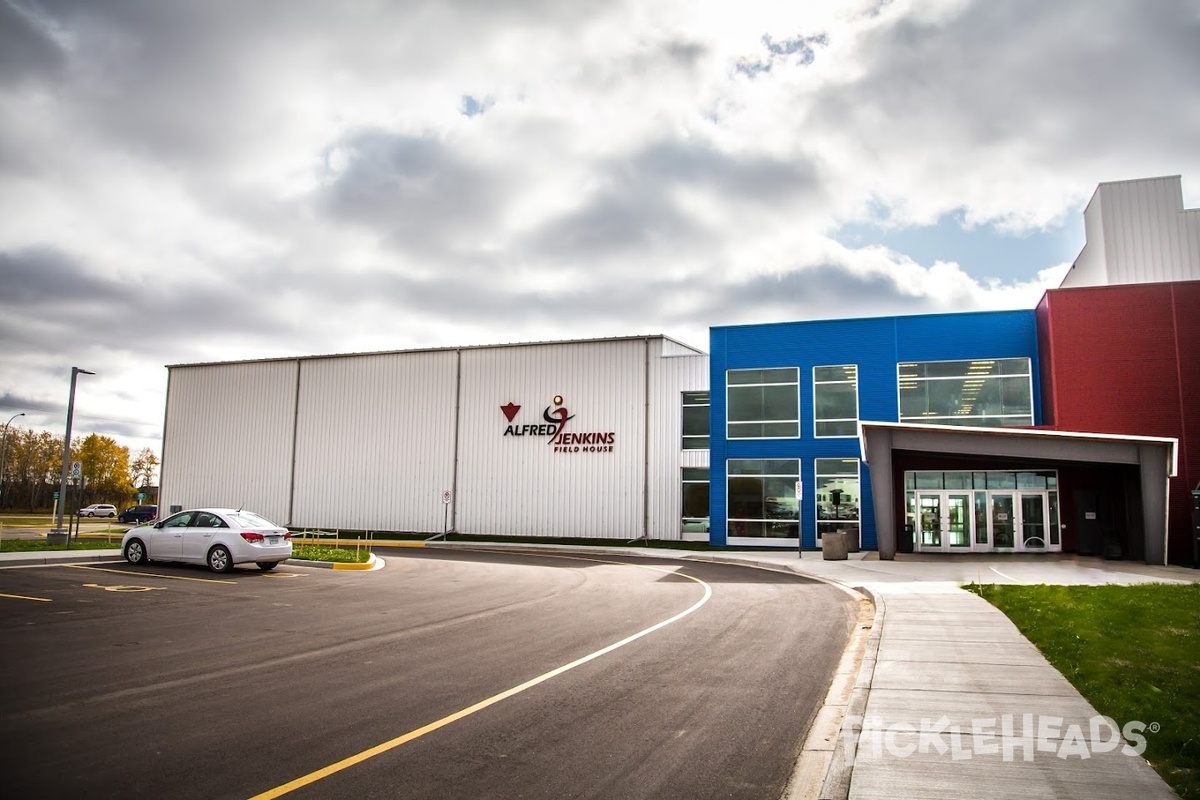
[(372, 563), (42, 559), (840, 768)]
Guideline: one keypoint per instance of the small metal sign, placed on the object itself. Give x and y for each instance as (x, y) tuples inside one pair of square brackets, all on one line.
[(76, 470), (446, 496)]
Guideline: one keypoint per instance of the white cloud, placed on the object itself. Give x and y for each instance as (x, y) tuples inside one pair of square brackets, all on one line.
[(204, 181)]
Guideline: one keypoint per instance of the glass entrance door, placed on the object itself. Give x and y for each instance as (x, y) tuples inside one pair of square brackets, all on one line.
[(944, 522), (1003, 523), (983, 512), (929, 522), (1033, 521), (1019, 522), (958, 521)]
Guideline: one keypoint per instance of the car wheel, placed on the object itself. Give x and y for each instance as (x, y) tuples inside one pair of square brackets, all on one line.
[(91, 513), (113, 514), (219, 559), (267, 566), (135, 552)]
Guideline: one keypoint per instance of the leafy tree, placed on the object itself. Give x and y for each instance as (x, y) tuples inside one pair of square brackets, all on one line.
[(31, 476), (143, 468), (105, 468)]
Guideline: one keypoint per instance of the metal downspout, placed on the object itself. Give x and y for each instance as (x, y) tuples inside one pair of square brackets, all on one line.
[(295, 428), (457, 424), (646, 441)]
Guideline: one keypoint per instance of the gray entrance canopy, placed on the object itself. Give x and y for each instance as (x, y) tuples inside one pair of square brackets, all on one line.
[(1155, 457)]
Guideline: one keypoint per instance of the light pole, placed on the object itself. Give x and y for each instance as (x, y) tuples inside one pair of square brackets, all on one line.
[(66, 461), (4, 449)]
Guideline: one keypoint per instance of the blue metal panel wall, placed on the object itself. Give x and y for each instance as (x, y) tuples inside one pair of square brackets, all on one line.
[(875, 345)]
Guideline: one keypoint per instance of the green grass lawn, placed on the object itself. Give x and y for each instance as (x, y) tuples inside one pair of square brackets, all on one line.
[(1132, 651), (321, 552), (11, 520), (32, 545)]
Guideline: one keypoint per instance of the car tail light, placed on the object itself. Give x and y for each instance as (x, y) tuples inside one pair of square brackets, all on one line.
[(287, 537), (251, 536)]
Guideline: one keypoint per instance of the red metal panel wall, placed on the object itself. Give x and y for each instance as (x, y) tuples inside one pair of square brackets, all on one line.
[(1046, 358), (1126, 360)]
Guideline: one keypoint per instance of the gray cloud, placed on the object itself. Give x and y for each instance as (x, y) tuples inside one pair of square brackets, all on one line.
[(414, 189), (208, 180), (638, 210), (1062, 86), (27, 51)]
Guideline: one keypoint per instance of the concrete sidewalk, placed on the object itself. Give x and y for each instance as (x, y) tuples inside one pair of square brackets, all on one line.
[(952, 701)]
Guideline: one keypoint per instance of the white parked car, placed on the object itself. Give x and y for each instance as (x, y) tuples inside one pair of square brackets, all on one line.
[(218, 537), (98, 510)]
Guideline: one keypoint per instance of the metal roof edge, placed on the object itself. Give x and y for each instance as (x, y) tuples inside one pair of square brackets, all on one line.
[(1031, 433), (449, 349)]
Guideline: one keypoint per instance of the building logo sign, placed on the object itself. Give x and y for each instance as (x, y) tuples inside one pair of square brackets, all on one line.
[(553, 426)]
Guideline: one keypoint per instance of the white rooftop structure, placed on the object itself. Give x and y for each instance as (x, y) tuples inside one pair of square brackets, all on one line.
[(1138, 232)]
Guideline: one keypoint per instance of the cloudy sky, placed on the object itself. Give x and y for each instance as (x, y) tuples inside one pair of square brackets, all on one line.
[(201, 180)]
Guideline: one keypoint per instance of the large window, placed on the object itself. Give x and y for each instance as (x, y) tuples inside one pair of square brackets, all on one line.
[(695, 500), (835, 400), (837, 495), (695, 421), (988, 392), (762, 500), (763, 403)]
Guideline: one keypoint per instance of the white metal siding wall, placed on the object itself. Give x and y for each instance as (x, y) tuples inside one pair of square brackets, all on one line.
[(1090, 268), (1147, 237), (228, 437), (1138, 232), (669, 378), (518, 485), (375, 441)]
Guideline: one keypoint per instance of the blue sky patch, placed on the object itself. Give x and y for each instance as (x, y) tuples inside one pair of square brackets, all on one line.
[(982, 252)]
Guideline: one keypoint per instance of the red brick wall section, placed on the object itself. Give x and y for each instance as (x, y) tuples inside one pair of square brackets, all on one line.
[(1045, 334), (1126, 360)]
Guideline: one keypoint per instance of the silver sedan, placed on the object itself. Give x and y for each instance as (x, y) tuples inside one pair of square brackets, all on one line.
[(216, 537)]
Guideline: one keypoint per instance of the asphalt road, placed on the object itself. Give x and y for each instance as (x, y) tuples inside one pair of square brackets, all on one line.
[(446, 674)]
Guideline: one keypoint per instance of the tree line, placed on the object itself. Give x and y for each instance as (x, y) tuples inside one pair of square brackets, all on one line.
[(33, 468)]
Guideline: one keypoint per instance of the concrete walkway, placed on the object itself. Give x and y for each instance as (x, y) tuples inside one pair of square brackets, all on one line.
[(951, 701), (938, 695)]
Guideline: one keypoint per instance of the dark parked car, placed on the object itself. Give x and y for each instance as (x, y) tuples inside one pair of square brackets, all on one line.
[(139, 514)]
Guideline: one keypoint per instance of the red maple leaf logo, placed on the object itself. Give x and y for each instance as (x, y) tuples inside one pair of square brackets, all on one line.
[(510, 410)]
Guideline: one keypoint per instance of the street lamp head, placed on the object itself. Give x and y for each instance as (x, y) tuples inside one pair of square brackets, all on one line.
[(83, 371)]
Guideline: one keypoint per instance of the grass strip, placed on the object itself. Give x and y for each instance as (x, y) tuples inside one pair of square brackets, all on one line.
[(36, 545), (1132, 651), (320, 552)]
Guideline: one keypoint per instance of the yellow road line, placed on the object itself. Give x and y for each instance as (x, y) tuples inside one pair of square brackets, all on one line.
[(23, 597), (391, 744), (149, 574)]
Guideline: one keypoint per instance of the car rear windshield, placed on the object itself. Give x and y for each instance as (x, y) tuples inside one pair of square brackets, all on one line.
[(248, 519)]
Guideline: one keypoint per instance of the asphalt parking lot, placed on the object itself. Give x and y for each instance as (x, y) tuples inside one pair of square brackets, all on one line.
[(445, 674)]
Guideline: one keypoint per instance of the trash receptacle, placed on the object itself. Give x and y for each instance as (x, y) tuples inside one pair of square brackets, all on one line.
[(852, 543), (833, 546)]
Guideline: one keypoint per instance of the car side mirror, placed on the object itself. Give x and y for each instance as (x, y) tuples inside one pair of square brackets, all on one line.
[(158, 524)]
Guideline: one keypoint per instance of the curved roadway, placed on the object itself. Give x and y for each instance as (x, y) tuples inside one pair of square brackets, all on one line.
[(449, 673)]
